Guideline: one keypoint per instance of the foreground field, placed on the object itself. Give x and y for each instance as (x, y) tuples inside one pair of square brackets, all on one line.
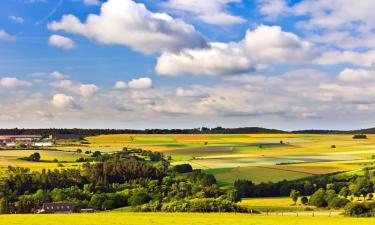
[(177, 219)]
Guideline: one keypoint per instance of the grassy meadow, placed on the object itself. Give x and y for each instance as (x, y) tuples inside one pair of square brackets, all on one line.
[(177, 219)]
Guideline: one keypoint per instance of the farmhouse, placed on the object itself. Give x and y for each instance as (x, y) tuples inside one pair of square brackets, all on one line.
[(11, 140), (58, 207)]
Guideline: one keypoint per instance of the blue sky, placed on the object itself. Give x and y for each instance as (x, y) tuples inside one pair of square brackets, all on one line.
[(176, 63)]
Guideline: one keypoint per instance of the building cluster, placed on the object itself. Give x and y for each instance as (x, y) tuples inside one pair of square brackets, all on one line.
[(35, 140)]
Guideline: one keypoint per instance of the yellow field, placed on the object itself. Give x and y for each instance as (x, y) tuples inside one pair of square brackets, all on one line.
[(177, 219)]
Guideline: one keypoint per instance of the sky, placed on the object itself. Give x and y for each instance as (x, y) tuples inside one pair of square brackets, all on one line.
[(286, 64)]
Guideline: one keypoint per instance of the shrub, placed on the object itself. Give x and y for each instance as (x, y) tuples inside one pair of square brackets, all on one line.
[(304, 200), (183, 168), (139, 198), (359, 209)]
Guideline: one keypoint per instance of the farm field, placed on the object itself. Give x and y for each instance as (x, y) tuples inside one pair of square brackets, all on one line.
[(12, 158), (259, 157), (177, 219)]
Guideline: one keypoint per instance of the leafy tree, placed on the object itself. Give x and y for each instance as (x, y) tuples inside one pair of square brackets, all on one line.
[(304, 200), (183, 168), (244, 188), (344, 192), (294, 194), (96, 154), (139, 198), (3, 206), (318, 198)]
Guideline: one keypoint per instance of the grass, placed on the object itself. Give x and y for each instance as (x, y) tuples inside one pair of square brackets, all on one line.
[(256, 174), (177, 219)]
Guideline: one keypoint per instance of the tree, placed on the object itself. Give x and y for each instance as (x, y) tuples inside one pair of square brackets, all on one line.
[(362, 186), (35, 157), (234, 196), (244, 188), (304, 200), (294, 194), (3, 206), (318, 198), (344, 192), (96, 154), (139, 198), (183, 168)]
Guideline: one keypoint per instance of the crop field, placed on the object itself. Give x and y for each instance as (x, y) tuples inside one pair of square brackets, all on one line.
[(177, 219), (13, 158), (259, 157)]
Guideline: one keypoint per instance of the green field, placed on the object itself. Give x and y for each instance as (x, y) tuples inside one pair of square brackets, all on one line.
[(177, 219), (259, 157)]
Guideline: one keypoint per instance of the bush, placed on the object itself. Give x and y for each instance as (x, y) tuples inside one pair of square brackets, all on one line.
[(360, 136), (139, 198), (203, 205), (359, 209), (183, 168), (338, 202)]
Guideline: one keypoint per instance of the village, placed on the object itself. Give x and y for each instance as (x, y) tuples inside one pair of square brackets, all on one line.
[(35, 140)]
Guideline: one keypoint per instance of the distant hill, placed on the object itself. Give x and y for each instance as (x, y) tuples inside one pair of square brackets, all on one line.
[(203, 130), (93, 132)]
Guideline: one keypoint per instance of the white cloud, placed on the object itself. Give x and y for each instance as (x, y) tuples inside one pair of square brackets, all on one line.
[(140, 83), (333, 14), (125, 22), (366, 58), (87, 90), (262, 46), (91, 2), (4, 36), (218, 59), (63, 101), (16, 19), (358, 75), (272, 9), (211, 12), (12, 82), (58, 75), (61, 42), (120, 85)]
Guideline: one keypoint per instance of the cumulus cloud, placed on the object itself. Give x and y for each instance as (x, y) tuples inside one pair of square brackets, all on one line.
[(87, 90), (4, 36), (272, 9), (120, 85), (211, 12), (61, 42), (125, 22), (62, 101), (356, 75), (264, 45), (16, 19), (12, 82), (83, 90), (140, 83), (366, 58), (58, 75)]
